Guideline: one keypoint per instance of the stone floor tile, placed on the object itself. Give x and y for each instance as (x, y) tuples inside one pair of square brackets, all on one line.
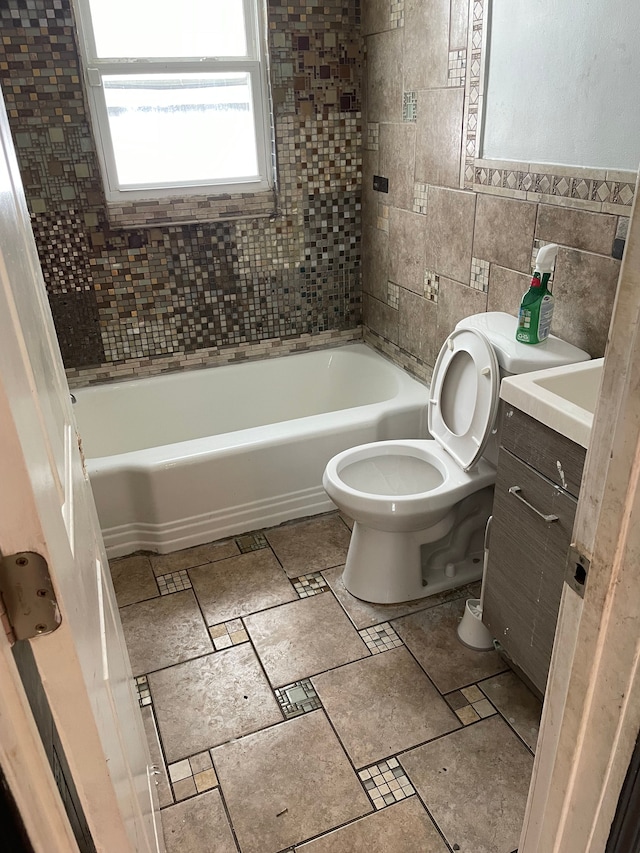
[(517, 704), (363, 614), (160, 778), (287, 784), (133, 580), (310, 546), (198, 825), (207, 701), (475, 783), (403, 828), (164, 631), (302, 638), (240, 585), (383, 705), (164, 564), (431, 636)]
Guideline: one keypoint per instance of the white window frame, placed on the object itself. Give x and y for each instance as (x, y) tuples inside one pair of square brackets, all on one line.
[(254, 63)]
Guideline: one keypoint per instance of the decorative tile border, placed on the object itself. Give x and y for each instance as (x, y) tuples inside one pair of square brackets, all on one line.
[(598, 190), (251, 542), (228, 634), (380, 638), (457, 67), (137, 368), (480, 274), (393, 295), (418, 369), (310, 584), (192, 776), (470, 704), (297, 698), (420, 197), (397, 13), (382, 221), (373, 135), (410, 107), (173, 582), (431, 285), (142, 688), (386, 783)]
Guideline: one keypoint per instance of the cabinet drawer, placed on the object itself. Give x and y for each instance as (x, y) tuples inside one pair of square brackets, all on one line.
[(557, 457), (525, 571)]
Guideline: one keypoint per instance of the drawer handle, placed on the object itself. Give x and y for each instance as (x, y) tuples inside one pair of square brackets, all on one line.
[(515, 491)]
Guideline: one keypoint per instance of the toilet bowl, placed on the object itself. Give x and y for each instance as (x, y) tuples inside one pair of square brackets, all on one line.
[(420, 506)]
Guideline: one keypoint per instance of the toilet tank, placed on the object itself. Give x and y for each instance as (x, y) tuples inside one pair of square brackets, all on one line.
[(514, 357)]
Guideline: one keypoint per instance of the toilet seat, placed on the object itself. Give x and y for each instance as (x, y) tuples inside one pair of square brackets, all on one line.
[(464, 396)]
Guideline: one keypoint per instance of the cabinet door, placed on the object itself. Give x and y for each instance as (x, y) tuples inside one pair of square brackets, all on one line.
[(525, 571)]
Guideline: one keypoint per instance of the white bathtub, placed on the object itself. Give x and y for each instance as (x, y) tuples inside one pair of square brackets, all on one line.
[(186, 458)]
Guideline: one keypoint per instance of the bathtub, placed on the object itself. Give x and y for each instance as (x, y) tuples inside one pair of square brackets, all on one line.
[(185, 458)]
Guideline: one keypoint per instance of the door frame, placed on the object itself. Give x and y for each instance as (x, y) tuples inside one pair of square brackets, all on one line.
[(25, 764), (591, 715)]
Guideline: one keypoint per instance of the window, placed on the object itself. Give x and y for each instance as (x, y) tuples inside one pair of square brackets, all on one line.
[(178, 96)]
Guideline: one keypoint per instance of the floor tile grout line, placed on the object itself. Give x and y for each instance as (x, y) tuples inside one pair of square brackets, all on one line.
[(163, 754), (224, 805), (503, 716)]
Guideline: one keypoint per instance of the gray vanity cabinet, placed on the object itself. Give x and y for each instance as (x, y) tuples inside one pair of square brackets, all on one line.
[(537, 485)]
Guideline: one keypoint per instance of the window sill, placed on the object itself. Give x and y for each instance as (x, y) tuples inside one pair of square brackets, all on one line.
[(155, 213)]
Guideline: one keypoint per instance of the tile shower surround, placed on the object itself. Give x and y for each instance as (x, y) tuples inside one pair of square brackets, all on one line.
[(461, 241), (126, 297), (311, 721)]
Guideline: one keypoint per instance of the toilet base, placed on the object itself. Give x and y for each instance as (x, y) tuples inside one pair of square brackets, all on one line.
[(385, 567)]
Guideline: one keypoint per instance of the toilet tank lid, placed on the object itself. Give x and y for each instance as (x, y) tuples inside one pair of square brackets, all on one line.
[(515, 357)]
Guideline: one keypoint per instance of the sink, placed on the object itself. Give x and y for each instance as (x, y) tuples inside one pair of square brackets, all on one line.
[(562, 398)]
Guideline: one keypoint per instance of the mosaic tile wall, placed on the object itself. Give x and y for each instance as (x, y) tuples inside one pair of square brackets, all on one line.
[(122, 296), (455, 235)]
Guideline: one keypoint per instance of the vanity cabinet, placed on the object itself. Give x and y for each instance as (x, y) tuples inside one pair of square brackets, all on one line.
[(537, 485)]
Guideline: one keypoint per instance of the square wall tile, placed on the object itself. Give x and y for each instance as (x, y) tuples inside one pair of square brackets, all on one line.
[(407, 249), (418, 326), (504, 231), (449, 233), (397, 156), (439, 136), (426, 45), (384, 78)]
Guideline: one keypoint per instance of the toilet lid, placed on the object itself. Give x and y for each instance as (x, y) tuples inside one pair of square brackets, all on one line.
[(464, 396)]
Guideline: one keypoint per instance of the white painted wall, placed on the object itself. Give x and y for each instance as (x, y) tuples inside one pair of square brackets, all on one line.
[(563, 83)]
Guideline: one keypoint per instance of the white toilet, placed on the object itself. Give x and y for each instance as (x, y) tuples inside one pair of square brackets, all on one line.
[(420, 506)]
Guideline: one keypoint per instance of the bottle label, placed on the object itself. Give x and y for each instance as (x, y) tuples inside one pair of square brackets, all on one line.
[(545, 317)]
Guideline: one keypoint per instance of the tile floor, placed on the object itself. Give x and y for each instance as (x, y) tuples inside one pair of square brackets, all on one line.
[(285, 715)]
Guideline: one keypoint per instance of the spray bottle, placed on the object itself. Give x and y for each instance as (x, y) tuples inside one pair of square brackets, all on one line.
[(536, 308)]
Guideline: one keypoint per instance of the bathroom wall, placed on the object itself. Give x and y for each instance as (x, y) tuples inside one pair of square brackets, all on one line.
[(434, 253), (145, 299)]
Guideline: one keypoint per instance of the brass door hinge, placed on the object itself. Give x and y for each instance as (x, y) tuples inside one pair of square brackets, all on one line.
[(28, 606)]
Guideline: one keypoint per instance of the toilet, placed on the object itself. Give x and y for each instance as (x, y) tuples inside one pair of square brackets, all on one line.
[(420, 505)]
